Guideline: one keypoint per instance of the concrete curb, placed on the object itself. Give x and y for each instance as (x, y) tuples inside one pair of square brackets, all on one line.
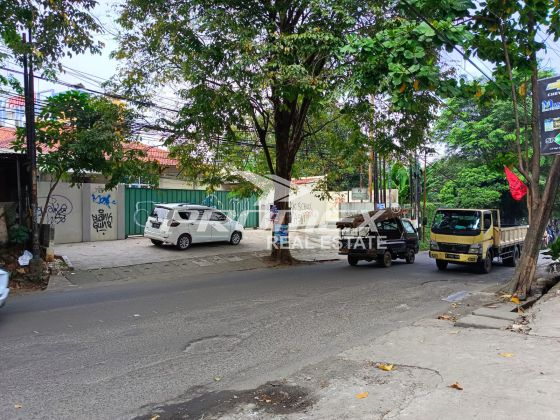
[(58, 282)]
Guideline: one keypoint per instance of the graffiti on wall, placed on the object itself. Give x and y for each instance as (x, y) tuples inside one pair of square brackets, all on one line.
[(58, 210), (103, 200), (102, 221)]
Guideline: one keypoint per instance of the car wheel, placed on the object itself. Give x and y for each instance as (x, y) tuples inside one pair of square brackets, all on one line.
[(184, 242), (235, 238), (156, 242), (410, 256), (386, 260), (441, 264), (485, 266), (353, 261)]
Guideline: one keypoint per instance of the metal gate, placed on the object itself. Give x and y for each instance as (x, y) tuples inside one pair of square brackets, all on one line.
[(139, 203)]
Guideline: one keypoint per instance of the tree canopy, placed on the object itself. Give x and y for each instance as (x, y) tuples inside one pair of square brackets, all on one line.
[(79, 135), (58, 27)]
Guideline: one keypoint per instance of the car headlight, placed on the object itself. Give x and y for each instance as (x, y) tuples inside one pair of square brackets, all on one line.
[(475, 249), (434, 246)]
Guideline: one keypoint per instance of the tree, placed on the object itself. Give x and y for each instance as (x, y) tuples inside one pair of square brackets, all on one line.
[(59, 28), (267, 66), (79, 134), (506, 35), (262, 66), (479, 140)]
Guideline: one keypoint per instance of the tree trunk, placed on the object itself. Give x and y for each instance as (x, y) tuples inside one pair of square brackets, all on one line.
[(46, 206), (541, 211), (282, 124)]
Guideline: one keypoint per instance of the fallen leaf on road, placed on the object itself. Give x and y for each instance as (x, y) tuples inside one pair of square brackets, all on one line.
[(446, 317), (515, 300), (385, 366), (155, 417), (18, 406), (454, 332), (520, 310), (456, 386), (505, 296), (217, 378), (506, 354), (362, 395)]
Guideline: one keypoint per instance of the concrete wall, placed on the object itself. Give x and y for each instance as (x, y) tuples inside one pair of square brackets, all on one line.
[(86, 213), (64, 211), (308, 210)]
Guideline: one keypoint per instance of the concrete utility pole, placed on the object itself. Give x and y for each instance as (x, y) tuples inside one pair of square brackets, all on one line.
[(370, 175), (36, 263), (424, 215)]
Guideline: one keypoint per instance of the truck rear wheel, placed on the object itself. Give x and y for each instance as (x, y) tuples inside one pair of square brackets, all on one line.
[(353, 261), (512, 262), (441, 264), (386, 259), (485, 266)]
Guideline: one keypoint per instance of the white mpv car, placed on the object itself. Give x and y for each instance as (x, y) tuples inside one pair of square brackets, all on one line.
[(4, 290), (185, 224)]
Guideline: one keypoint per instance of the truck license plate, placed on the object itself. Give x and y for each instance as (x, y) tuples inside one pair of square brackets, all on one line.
[(452, 256)]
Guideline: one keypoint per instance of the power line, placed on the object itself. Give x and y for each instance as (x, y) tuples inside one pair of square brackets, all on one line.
[(109, 95)]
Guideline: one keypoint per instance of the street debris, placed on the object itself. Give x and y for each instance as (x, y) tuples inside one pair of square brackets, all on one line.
[(17, 406), (455, 297), (447, 317), (155, 417), (385, 366), (506, 354), (362, 395), (25, 258), (515, 300), (456, 386), (217, 378)]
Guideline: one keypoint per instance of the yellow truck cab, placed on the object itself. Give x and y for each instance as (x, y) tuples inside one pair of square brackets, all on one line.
[(474, 236)]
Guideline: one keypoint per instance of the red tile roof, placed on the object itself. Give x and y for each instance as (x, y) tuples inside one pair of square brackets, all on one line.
[(8, 135), (307, 180), (154, 153)]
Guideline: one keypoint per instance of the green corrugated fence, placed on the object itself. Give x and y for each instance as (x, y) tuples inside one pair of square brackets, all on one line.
[(141, 201)]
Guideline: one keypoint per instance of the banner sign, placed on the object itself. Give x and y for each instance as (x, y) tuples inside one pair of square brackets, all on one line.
[(360, 194), (549, 96)]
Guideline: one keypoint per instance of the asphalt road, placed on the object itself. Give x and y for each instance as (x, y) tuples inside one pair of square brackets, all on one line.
[(114, 350)]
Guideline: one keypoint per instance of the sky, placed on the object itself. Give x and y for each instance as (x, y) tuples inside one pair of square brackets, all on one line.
[(101, 67)]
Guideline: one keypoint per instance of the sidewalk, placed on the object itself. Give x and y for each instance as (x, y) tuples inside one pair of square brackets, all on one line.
[(135, 257), (499, 374)]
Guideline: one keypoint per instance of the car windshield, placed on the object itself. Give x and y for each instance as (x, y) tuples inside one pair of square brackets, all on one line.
[(457, 222), (160, 212)]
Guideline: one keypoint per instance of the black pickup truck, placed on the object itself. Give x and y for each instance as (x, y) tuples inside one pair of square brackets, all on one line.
[(383, 236)]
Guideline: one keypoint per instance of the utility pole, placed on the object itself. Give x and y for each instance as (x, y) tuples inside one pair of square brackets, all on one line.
[(36, 263), (370, 174), (424, 215), (371, 152)]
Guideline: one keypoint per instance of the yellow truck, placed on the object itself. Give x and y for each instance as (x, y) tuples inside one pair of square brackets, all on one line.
[(474, 236)]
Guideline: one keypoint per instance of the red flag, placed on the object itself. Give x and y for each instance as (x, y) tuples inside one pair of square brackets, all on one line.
[(516, 186)]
